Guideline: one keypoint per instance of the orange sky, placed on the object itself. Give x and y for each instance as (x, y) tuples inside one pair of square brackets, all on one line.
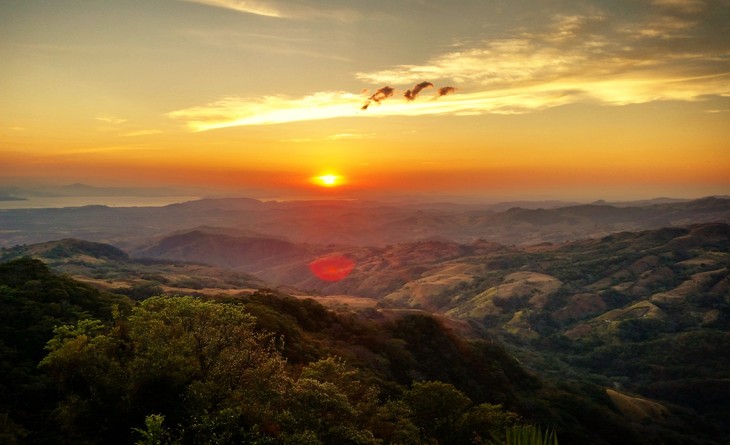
[(579, 100)]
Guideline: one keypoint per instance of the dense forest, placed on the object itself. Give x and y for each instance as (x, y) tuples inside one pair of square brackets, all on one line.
[(79, 365)]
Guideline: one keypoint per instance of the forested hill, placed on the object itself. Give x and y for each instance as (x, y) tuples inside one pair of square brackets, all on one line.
[(267, 368), (33, 301)]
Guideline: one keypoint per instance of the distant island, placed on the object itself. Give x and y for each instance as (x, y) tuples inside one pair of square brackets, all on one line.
[(11, 198)]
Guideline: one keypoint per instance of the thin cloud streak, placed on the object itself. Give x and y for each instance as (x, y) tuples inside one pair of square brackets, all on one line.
[(105, 150), (264, 43), (289, 9), (111, 120), (142, 133), (246, 6), (334, 137), (686, 6), (235, 111)]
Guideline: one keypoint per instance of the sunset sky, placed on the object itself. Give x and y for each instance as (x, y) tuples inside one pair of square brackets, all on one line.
[(533, 99)]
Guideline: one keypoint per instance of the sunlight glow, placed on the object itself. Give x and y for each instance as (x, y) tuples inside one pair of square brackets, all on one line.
[(328, 180)]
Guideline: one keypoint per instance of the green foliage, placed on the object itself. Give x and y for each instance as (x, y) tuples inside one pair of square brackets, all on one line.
[(178, 356), (33, 301), (436, 407), (322, 408), (217, 373), (70, 247), (442, 412), (154, 433), (529, 435), (393, 424), (213, 377), (140, 291), (640, 329), (485, 420)]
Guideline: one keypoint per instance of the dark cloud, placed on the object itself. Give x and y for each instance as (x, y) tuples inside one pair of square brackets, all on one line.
[(386, 92), (382, 94), (378, 96), (443, 91), (411, 94)]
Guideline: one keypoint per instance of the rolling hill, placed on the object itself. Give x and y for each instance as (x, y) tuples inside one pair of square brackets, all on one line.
[(109, 268)]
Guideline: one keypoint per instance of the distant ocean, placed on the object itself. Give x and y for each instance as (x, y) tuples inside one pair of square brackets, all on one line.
[(110, 201)]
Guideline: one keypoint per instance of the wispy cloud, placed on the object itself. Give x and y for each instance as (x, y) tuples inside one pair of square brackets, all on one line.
[(264, 43), (247, 6), (333, 137), (237, 111), (341, 136), (122, 126), (107, 149), (687, 6), (142, 133), (111, 120), (285, 9), (577, 58)]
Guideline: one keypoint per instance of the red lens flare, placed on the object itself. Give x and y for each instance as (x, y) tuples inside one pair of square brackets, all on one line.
[(332, 268)]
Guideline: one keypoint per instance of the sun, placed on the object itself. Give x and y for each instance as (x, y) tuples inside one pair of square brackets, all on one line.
[(328, 180)]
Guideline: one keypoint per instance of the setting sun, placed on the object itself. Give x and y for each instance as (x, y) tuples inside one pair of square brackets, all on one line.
[(328, 180)]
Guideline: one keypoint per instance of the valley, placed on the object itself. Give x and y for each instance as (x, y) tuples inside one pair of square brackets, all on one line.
[(638, 321)]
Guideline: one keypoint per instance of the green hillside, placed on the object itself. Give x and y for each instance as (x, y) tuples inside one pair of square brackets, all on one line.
[(618, 339), (262, 368)]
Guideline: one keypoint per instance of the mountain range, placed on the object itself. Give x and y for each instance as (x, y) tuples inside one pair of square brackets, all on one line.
[(360, 223), (631, 300)]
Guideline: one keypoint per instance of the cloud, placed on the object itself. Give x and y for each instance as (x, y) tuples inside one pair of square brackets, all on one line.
[(263, 43), (138, 149), (341, 136), (618, 90), (284, 9), (247, 6), (444, 91), (111, 120), (574, 59), (142, 133), (333, 137), (503, 61), (267, 110), (656, 47), (378, 96), (412, 94), (686, 6)]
